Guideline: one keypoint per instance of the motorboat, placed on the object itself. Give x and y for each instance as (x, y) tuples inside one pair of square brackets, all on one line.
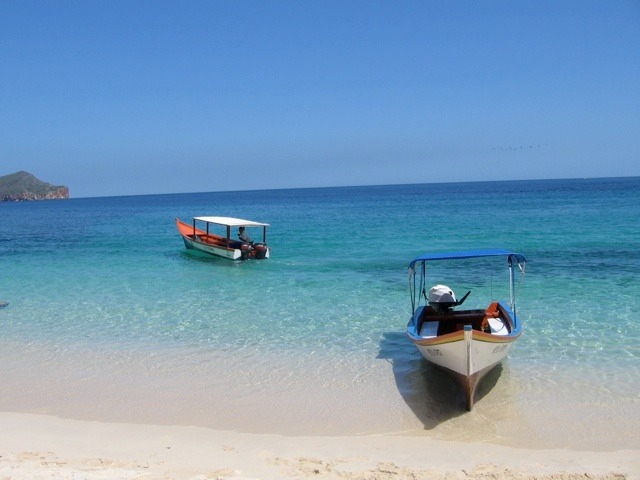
[(467, 343), (213, 235)]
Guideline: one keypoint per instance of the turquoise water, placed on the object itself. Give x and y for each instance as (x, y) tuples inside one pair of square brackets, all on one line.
[(110, 318)]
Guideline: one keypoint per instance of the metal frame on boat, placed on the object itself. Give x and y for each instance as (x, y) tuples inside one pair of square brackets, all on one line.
[(467, 343), (221, 244)]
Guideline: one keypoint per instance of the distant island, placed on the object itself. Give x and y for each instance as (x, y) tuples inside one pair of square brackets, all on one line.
[(23, 186)]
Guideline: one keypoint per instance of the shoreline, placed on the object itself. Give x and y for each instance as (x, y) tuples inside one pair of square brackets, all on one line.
[(43, 446), (401, 396)]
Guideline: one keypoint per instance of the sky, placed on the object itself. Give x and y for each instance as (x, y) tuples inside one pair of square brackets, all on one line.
[(144, 97)]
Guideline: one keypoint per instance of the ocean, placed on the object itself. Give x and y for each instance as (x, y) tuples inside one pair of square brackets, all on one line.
[(111, 319)]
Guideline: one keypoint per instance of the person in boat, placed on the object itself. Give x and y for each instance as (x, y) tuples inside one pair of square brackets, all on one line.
[(244, 236)]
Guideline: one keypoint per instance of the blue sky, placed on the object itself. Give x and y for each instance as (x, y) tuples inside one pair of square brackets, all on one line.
[(138, 97)]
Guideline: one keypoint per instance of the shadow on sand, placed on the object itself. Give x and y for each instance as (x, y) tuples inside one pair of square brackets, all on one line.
[(430, 392)]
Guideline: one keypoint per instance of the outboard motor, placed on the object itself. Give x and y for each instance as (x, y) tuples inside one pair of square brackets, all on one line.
[(261, 250), (441, 298), (245, 251)]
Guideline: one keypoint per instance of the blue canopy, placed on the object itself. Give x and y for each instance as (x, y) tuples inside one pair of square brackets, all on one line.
[(491, 252)]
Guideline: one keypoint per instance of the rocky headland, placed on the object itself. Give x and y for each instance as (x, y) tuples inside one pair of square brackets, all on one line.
[(22, 186)]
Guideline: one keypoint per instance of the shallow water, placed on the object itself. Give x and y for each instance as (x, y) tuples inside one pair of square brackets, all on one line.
[(110, 318)]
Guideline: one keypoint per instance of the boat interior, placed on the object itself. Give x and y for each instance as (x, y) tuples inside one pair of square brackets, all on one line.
[(434, 323), (219, 241)]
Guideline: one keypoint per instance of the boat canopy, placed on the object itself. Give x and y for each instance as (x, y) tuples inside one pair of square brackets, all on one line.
[(419, 287), (491, 252), (231, 222)]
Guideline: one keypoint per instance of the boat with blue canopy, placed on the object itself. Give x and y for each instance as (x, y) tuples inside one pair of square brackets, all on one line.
[(467, 343)]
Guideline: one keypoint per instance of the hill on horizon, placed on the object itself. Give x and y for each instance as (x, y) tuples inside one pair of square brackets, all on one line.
[(22, 185)]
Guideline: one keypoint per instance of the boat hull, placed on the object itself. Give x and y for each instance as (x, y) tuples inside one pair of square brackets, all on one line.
[(468, 354), (191, 244)]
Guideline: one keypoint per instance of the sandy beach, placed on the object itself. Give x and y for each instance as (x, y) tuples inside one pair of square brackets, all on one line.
[(45, 447)]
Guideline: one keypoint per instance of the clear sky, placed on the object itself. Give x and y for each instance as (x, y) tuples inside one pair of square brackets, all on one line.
[(136, 97)]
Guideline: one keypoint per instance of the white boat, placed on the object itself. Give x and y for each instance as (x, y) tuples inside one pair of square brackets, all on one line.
[(213, 235), (466, 343)]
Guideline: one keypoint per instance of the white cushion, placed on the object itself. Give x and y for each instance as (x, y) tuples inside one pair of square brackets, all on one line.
[(498, 327), (429, 329)]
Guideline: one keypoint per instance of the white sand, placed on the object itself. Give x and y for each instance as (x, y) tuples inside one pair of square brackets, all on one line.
[(45, 447)]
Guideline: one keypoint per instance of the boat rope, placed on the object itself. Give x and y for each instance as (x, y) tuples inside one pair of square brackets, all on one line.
[(412, 288), (419, 288), (521, 268), (423, 282)]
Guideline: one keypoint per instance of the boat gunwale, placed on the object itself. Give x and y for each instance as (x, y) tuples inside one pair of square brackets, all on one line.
[(458, 336), (504, 313)]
